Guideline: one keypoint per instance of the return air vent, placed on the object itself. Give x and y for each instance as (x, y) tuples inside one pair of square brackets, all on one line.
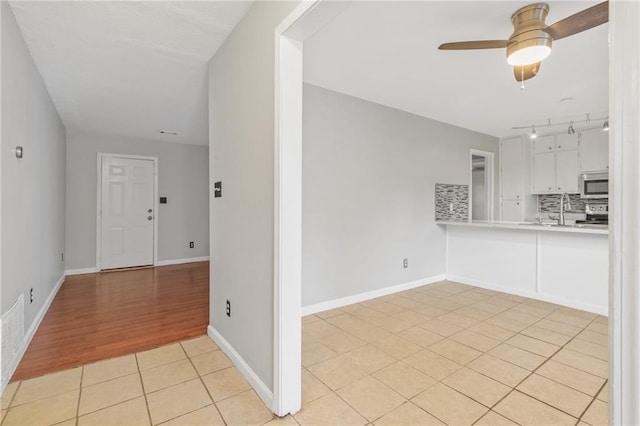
[(12, 336)]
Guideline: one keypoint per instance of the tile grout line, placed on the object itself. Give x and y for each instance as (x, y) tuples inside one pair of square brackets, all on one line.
[(77, 417), (535, 370), (144, 394), (595, 397), (13, 397), (10, 406), (213, 401)]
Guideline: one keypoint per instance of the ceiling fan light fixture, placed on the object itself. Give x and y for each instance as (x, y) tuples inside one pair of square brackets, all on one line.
[(529, 55), (530, 50)]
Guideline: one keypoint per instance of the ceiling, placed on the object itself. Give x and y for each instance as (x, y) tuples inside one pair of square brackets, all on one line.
[(386, 52), (129, 68)]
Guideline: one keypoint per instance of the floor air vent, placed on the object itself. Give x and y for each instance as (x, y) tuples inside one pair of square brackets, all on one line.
[(12, 335)]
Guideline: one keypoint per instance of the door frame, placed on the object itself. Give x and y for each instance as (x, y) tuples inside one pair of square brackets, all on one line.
[(304, 21), (489, 181), (100, 157)]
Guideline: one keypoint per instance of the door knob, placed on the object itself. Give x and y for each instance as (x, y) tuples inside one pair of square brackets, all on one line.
[(149, 211), (149, 217)]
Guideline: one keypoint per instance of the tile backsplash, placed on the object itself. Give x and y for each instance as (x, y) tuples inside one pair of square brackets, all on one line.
[(446, 195), (550, 203)]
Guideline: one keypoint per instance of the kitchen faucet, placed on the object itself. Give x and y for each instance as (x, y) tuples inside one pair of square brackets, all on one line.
[(564, 196)]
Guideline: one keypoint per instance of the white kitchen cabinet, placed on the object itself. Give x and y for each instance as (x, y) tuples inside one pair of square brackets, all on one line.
[(511, 168), (516, 201), (567, 170), (594, 150), (512, 211), (567, 142), (544, 172), (544, 144), (556, 164)]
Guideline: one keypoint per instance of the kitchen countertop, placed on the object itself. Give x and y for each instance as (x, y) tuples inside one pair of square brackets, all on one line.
[(532, 226)]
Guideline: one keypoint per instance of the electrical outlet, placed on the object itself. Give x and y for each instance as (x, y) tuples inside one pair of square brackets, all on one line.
[(191, 245), (228, 308), (405, 263), (31, 295)]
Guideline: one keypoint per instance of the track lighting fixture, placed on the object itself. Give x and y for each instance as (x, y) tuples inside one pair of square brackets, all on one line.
[(570, 129)]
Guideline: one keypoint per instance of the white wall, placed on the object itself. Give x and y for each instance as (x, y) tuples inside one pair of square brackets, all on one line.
[(241, 104), (369, 173), (33, 188), (183, 173)]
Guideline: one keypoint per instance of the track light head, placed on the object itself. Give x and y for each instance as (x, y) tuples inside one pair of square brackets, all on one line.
[(605, 126), (533, 132), (571, 130)]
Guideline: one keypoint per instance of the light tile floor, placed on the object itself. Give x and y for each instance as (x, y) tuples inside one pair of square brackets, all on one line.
[(446, 353)]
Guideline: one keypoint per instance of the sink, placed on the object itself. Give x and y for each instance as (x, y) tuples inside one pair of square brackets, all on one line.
[(590, 226), (571, 225)]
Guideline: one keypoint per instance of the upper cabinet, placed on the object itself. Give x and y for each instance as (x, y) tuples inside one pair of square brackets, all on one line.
[(567, 142), (559, 159), (594, 150), (556, 164)]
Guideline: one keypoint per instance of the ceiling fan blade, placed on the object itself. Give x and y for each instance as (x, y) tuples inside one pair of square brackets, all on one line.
[(480, 44), (581, 21), (526, 72)]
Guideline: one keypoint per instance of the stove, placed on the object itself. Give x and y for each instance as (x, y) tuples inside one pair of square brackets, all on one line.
[(596, 214)]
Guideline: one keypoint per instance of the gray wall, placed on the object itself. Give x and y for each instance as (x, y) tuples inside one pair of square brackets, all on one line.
[(241, 104), (33, 188), (369, 174), (183, 173)]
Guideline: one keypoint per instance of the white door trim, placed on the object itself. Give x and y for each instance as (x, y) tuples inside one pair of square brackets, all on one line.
[(624, 200), (102, 155), (304, 21), (287, 268), (489, 181)]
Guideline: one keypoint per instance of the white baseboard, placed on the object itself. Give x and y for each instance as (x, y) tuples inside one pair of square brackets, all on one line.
[(32, 331), (158, 263), (361, 297), (81, 271), (258, 385), (600, 310), (180, 261)]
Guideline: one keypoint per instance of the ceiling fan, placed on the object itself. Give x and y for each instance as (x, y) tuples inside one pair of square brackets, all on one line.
[(531, 40)]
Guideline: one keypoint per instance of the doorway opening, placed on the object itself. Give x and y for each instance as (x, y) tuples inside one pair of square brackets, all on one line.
[(481, 185)]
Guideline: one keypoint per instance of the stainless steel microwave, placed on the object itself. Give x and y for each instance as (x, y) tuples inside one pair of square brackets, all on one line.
[(594, 185)]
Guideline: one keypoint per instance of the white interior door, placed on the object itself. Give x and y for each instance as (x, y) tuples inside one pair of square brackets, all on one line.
[(127, 215)]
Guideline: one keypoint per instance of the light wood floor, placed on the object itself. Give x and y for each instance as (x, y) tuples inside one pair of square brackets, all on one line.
[(104, 315)]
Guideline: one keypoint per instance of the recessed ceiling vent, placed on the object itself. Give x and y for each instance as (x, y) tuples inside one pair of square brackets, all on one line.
[(168, 132)]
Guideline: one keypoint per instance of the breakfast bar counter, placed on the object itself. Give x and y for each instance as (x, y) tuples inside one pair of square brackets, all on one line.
[(567, 265)]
